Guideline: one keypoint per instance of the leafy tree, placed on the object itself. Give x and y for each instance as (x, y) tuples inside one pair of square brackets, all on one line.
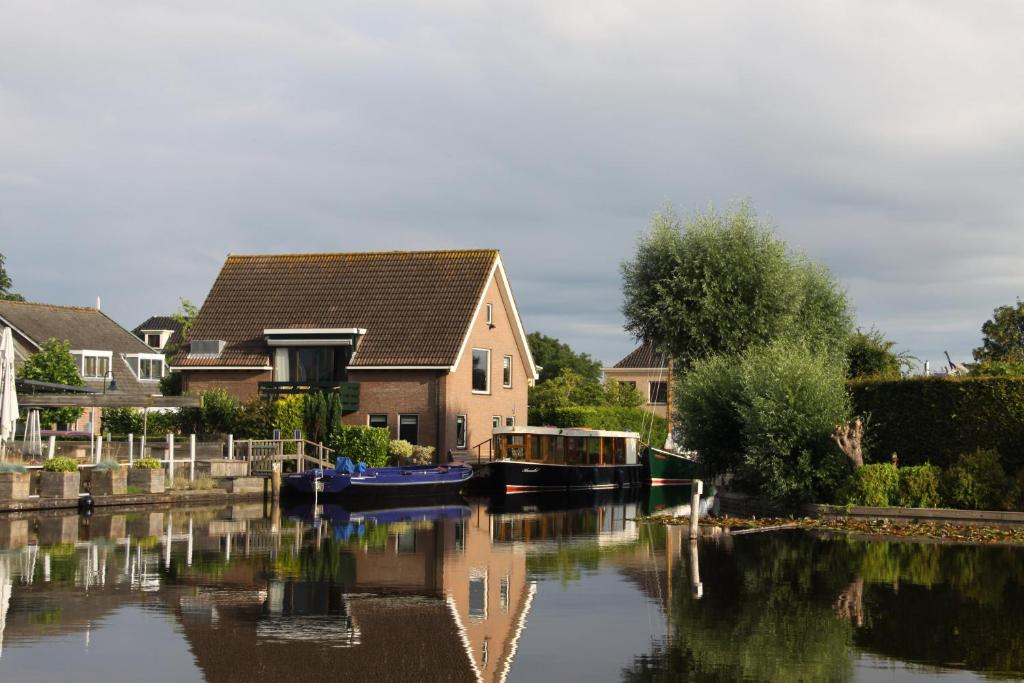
[(54, 363), (1002, 337), (870, 354), (620, 394), (184, 316), (554, 356), (721, 282), (567, 389), (766, 417), (5, 284)]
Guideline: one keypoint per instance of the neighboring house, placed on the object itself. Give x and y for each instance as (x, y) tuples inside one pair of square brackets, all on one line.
[(647, 370), (111, 360), (427, 344), (159, 331)]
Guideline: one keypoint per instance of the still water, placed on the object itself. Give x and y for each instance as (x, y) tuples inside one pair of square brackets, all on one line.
[(516, 589)]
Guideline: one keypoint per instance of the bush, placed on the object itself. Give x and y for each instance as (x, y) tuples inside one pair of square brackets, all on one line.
[(255, 419), (147, 464), (107, 466), (977, 481), (875, 485), (361, 444), (422, 455), (937, 418), (615, 418), (919, 486), (400, 450), (60, 465), (121, 421)]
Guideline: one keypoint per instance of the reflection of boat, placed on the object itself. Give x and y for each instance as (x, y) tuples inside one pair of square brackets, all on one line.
[(552, 458), (336, 514), (666, 467), (413, 480), (607, 517)]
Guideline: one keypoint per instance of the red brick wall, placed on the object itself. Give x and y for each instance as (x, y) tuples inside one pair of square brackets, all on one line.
[(243, 384), (395, 392)]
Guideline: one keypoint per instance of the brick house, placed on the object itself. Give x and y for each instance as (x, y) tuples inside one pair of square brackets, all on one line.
[(647, 370), (158, 332), (428, 344)]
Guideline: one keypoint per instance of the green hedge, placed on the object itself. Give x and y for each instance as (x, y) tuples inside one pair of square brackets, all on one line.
[(361, 444), (936, 419), (875, 485), (650, 427)]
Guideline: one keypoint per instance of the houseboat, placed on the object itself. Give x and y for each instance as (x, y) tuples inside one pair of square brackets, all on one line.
[(553, 458)]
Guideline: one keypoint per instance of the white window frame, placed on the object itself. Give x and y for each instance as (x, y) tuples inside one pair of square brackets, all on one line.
[(487, 376), (507, 385), (490, 315), (495, 421), (151, 357), (461, 445), (387, 420), (510, 421), (92, 353)]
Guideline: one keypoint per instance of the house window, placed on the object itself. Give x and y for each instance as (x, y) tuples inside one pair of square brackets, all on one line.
[(151, 368), (495, 421), (95, 364), (481, 371), (460, 431), (153, 340), (490, 314), (379, 420), (510, 421), (659, 392), (506, 372), (409, 428), (318, 363), (478, 594)]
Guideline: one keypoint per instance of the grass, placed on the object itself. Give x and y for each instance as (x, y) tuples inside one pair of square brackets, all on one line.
[(201, 483)]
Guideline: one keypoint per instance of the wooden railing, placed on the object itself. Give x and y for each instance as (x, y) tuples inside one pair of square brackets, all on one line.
[(263, 453), (479, 452)]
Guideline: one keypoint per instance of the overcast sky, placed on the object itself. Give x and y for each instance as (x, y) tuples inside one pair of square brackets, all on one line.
[(141, 142)]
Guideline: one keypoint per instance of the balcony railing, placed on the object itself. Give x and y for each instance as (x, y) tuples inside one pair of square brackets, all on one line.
[(347, 391)]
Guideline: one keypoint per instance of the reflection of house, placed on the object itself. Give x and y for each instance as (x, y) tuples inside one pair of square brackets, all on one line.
[(158, 331), (426, 344), (110, 359), (647, 370)]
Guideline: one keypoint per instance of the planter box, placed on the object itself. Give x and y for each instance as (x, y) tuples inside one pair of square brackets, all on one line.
[(58, 530), (148, 481), (228, 468), (59, 484), (14, 486), (109, 483), (107, 526)]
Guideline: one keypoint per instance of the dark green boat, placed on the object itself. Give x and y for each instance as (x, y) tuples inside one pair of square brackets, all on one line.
[(665, 468)]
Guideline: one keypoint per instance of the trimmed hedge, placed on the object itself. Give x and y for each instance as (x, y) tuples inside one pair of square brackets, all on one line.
[(612, 418), (938, 418), (874, 485), (977, 481), (361, 444), (919, 486)]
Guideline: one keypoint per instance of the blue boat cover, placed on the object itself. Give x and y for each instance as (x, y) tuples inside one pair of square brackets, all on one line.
[(345, 465)]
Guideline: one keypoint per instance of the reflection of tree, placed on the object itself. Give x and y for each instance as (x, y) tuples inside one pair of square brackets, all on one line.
[(789, 606)]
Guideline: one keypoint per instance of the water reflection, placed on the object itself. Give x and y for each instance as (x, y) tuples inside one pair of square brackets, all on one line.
[(489, 590)]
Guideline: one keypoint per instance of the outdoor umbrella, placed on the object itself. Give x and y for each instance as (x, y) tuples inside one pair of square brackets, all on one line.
[(8, 395)]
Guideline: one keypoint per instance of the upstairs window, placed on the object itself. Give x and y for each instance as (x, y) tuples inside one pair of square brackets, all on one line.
[(481, 371), (151, 368), (94, 364), (490, 315), (153, 340), (506, 372), (659, 392)]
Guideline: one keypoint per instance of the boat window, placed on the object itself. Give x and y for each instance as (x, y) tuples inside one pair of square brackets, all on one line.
[(556, 449), (573, 450), (516, 446), (535, 452), (593, 450)]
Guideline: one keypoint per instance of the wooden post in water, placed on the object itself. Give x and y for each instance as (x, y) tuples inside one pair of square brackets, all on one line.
[(99, 448), (275, 482), (231, 446), (695, 585), (170, 458), (131, 449), (191, 457), (696, 488)]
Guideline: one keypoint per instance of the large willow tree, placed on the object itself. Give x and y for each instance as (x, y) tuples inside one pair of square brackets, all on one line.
[(720, 282)]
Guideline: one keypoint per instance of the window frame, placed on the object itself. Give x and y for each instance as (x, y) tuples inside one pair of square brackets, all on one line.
[(651, 394), (495, 421), (510, 420), (487, 372), (489, 315), (416, 416), (92, 353), (387, 421), (461, 444), (506, 369), (159, 339)]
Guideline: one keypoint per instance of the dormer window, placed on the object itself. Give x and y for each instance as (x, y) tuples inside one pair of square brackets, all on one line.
[(146, 366), (93, 364)]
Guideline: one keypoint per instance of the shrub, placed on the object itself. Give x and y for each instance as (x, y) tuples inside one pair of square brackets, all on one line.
[(60, 464), (12, 468), (107, 466), (977, 481), (422, 455), (919, 486), (122, 421), (361, 444), (147, 464), (400, 450), (875, 485)]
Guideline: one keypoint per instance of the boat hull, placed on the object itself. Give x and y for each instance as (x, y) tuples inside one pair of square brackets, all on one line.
[(666, 469), (423, 480), (516, 476)]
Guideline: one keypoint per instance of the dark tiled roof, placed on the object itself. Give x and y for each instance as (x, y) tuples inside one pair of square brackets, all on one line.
[(643, 357), (85, 329), (157, 322), (415, 305)]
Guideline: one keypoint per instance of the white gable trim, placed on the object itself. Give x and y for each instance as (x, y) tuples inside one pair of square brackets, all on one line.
[(510, 303)]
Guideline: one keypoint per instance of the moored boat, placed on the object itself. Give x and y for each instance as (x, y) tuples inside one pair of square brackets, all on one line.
[(665, 467), (553, 458), (405, 481)]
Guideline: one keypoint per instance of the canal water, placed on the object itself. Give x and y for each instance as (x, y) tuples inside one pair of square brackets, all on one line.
[(511, 589)]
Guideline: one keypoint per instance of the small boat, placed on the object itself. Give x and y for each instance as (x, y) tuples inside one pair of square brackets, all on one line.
[(554, 458), (412, 480), (666, 467)]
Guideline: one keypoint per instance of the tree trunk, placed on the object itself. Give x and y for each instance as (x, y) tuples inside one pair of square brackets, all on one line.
[(849, 437)]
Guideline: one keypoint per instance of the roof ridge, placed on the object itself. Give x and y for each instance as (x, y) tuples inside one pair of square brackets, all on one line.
[(42, 304), (382, 252)]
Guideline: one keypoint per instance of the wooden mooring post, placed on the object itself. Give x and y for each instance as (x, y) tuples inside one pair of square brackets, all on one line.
[(275, 481), (696, 488)]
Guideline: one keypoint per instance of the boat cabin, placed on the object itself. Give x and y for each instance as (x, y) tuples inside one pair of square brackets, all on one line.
[(564, 446)]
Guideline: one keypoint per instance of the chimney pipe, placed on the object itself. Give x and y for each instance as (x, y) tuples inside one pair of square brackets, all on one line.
[(97, 303)]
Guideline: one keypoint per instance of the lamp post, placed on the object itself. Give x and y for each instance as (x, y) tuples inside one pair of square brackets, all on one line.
[(113, 382)]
